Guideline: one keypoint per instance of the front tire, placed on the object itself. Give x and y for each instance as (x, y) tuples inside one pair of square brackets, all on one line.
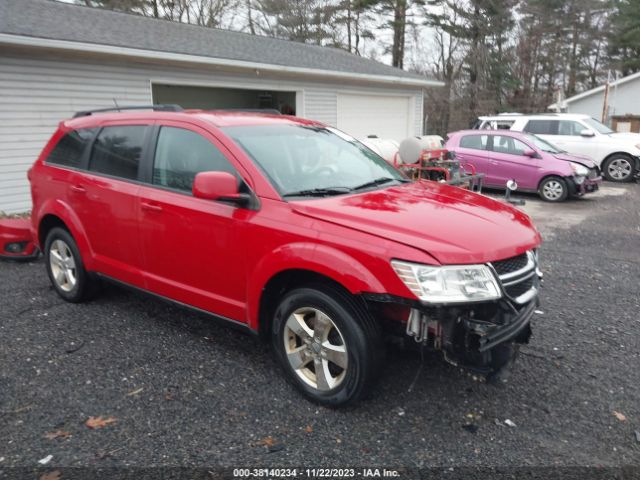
[(327, 343), (553, 189), (618, 168), (65, 268)]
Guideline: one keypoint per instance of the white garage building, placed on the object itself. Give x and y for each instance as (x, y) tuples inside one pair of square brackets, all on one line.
[(57, 59)]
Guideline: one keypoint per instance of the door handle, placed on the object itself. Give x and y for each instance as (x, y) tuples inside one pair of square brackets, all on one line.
[(77, 189), (151, 207)]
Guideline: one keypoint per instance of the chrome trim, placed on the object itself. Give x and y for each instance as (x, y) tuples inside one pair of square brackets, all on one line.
[(526, 296), (525, 273), (531, 263), (519, 279)]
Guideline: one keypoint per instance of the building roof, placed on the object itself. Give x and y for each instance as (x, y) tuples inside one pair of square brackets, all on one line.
[(53, 24), (599, 89)]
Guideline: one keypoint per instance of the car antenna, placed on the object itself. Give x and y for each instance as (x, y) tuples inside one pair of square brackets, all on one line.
[(116, 104)]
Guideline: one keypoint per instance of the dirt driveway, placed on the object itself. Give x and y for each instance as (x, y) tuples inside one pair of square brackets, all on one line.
[(185, 392)]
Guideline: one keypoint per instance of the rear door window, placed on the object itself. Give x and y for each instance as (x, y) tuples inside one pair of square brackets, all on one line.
[(181, 154), (70, 149), (117, 151), (542, 127), (474, 142)]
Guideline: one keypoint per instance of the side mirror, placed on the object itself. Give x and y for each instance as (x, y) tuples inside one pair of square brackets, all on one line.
[(587, 133), (221, 186), (530, 153)]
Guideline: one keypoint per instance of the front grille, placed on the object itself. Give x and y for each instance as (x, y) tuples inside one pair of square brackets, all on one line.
[(514, 291), (518, 276), (510, 265)]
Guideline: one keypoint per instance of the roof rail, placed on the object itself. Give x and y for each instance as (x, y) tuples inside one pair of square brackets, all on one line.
[(273, 111), (155, 108)]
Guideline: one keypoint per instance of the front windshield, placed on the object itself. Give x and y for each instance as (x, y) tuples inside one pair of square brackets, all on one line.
[(304, 160), (597, 126), (543, 144)]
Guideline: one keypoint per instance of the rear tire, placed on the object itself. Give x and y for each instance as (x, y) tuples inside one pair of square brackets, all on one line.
[(553, 189), (65, 268), (618, 168), (323, 329)]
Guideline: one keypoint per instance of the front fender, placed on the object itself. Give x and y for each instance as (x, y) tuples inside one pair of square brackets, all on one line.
[(64, 212), (321, 259)]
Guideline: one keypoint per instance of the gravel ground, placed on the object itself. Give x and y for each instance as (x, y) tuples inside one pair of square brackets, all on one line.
[(187, 392)]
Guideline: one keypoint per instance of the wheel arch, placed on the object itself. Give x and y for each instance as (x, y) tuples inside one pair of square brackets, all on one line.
[(634, 160), (552, 175), (59, 214), (281, 283), (294, 265)]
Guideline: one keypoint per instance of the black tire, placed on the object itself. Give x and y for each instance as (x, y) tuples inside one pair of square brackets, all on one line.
[(84, 286), (618, 168), (553, 189), (359, 332)]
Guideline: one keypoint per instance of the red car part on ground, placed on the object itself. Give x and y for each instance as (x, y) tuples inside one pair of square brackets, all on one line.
[(16, 242)]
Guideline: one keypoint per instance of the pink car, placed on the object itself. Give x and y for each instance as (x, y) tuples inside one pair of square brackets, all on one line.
[(535, 164)]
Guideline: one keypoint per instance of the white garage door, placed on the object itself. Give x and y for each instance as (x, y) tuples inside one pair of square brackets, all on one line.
[(387, 117)]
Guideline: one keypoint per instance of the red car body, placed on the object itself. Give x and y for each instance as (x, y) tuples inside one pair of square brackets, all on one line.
[(221, 259), (16, 242)]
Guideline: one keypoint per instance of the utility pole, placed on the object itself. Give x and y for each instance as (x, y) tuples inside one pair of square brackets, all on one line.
[(605, 103)]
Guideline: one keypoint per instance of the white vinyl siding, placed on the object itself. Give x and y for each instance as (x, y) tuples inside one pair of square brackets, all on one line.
[(321, 105), (623, 100), (39, 90)]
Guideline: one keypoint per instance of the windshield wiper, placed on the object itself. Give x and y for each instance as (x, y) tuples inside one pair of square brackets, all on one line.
[(379, 181), (318, 192)]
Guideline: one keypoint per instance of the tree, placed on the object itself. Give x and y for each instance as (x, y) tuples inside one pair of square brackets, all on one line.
[(624, 40)]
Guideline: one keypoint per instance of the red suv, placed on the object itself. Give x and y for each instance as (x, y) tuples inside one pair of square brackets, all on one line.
[(289, 229)]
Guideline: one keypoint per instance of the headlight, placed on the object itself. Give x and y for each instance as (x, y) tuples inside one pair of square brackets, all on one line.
[(449, 284), (579, 170)]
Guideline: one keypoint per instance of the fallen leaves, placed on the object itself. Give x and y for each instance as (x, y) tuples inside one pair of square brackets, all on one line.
[(267, 442), (54, 475), (620, 416), (271, 444), (57, 434), (99, 422)]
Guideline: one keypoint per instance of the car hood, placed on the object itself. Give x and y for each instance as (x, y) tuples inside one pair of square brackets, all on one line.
[(626, 137), (453, 225), (582, 159)]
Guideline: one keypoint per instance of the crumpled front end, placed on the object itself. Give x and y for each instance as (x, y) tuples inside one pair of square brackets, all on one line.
[(481, 336), (582, 185)]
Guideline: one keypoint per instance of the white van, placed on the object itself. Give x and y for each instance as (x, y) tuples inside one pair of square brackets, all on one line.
[(617, 154)]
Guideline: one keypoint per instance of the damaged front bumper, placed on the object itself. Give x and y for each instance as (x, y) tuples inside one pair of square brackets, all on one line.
[(480, 336), (579, 186)]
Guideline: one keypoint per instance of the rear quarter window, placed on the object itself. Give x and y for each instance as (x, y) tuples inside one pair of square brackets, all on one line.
[(70, 149)]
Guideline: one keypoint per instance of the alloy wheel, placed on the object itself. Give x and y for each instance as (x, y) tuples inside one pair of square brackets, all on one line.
[(315, 349), (553, 190), (619, 169), (63, 265)]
